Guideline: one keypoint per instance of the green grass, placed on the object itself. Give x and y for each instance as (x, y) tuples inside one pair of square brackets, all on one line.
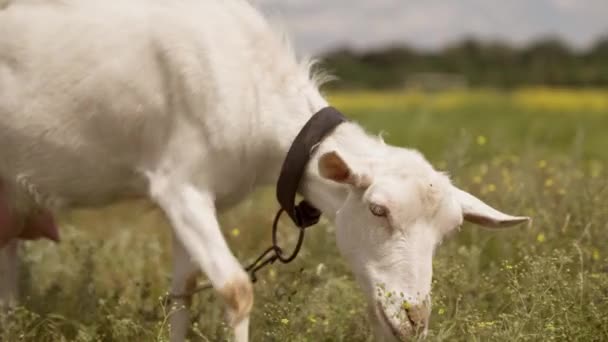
[(549, 281)]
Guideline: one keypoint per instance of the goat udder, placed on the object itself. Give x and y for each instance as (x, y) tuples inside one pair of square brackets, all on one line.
[(40, 225), (6, 222)]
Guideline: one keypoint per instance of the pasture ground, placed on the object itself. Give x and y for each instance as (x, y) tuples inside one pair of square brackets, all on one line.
[(538, 152)]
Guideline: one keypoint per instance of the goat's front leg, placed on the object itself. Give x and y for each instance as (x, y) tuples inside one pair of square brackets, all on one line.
[(9, 274), (193, 217)]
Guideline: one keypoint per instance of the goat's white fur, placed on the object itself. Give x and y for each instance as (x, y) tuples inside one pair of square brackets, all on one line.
[(193, 104)]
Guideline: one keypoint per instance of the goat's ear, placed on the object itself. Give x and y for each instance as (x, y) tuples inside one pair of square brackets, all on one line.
[(333, 167), (476, 211)]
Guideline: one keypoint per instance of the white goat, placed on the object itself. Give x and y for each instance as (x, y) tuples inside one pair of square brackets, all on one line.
[(193, 104)]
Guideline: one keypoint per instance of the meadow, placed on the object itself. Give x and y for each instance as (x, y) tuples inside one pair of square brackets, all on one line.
[(537, 152)]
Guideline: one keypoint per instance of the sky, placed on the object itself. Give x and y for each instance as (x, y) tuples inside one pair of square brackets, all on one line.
[(316, 26)]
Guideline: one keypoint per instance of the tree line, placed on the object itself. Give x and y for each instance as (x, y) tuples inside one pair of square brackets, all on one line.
[(472, 63)]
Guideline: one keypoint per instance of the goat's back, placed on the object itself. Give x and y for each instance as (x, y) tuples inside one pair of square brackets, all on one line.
[(90, 91)]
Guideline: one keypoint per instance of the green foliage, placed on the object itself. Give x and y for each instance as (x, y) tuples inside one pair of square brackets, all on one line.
[(107, 280), (478, 63)]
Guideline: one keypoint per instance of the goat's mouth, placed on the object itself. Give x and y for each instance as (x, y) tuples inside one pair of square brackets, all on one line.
[(397, 333)]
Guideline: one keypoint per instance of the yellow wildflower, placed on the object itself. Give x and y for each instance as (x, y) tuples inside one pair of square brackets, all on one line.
[(595, 255), (540, 238)]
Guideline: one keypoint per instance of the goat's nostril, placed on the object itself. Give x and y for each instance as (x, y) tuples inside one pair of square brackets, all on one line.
[(406, 321)]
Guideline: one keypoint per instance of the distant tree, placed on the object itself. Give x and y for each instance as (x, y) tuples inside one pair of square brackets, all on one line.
[(548, 61)]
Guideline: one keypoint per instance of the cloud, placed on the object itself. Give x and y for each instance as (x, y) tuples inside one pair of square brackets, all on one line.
[(318, 25)]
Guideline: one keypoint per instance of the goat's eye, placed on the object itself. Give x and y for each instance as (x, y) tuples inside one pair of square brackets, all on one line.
[(378, 210)]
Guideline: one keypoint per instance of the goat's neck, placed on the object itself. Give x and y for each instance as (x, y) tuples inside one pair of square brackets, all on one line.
[(326, 195)]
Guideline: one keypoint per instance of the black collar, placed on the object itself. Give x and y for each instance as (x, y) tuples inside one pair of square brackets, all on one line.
[(294, 165)]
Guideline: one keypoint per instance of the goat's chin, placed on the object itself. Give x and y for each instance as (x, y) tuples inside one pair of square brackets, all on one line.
[(382, 330)]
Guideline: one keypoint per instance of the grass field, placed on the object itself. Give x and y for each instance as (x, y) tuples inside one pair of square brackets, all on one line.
[(538, 152)]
